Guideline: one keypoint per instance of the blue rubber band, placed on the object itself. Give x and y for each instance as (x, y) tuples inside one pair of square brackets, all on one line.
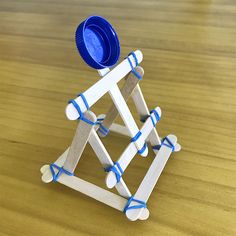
[(132, 199), (60, 171), (76, 106), (136, 137), (156, 114), (143, 119), (141, 151), (84, 100), (102, 132), (100, 119), (103, 129), (169, 144), (116, 169), (135, 58), (131, 65), (156, 147), (81, 114), (153, 122)]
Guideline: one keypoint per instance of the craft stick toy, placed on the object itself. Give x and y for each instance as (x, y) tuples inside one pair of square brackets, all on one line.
[(98, 45)]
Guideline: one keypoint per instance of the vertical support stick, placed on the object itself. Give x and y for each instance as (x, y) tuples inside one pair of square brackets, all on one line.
[(79, 141), (143, 111)]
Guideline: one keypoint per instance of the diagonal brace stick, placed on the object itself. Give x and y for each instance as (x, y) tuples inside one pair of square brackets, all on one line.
[(126, 91)]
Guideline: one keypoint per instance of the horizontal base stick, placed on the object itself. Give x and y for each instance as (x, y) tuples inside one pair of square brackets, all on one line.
[(113, 200), (92, 190)]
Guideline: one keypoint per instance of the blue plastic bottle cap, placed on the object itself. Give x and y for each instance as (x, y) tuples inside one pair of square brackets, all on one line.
[(97, 42)]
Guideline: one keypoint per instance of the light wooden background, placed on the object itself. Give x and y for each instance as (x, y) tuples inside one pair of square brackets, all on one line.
[(189, 52)]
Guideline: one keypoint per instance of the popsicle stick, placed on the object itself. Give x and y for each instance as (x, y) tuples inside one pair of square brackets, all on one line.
[(147, 185), (102, 155), (79, 141), (98, 193), (45, 169), (93, 191), (126, 91), (101, 116), (130, 151), (106, 161), (177, 147), (90, 189), (60, 161), (104, 71), (139, 101), (143, 111), (127, 117), (120, 129), (95, 92)]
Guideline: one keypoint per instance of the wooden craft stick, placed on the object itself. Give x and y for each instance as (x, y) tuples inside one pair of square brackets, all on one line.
[(127, 117), (98, 193), (45, 169), (104, 71), (91, 190), (147, 185), (69, 159), (79, 141), (95, 92), (130, 151), (126, 91), (102, 155), (143, 111), (120, 129), (106, 161)]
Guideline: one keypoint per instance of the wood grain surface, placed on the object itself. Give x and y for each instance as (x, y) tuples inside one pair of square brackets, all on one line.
[(189, 52)]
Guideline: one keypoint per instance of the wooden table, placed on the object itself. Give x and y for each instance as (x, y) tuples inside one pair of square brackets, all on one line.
[(190, 72)]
